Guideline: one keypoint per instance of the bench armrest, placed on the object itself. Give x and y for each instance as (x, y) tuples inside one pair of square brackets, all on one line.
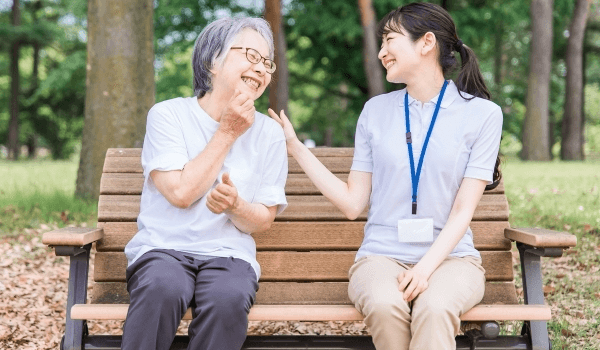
[(72, 236), (541, 238)]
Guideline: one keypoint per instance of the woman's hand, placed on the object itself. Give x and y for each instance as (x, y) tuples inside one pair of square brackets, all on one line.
[(288, 129), (238, 116), (412, 283), (224, 197)]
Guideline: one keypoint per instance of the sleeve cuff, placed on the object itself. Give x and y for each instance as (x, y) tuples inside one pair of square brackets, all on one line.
[(166, 162), (359, 165), (270, 196), (480, 173)]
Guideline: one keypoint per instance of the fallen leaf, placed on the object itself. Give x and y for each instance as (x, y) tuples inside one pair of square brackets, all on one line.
[(549, 289), (63, 217), (567, 333), (560, 275), (587, 228)]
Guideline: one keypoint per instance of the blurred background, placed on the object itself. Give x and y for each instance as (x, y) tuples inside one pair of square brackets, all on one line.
[(327, 68)]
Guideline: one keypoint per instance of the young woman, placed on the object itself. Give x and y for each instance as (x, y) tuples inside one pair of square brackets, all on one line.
[(422, 159)]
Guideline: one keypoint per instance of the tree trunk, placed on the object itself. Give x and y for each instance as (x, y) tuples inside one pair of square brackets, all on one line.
[(119, 84), (32, 138), (14, 149), (535, 127), (498, 58), (279, 90), (572, 124), (373, 68)]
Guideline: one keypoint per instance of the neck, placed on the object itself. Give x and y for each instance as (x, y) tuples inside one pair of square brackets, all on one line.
[(426, 86), (213, 104)]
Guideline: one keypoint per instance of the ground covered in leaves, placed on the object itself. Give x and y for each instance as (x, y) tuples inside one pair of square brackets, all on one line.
[(33, 292)]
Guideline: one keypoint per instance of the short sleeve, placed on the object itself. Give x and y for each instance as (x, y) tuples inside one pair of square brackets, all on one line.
[(271, 190), (363, 157), (164, 146), (485, 149)]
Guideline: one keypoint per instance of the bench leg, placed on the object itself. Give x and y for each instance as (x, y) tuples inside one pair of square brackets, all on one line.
[(533, 291), (78, 278)]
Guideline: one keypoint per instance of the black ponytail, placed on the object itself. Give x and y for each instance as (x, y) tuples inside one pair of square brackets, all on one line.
[(419, 18)]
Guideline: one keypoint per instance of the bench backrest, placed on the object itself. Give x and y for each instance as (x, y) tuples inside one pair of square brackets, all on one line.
[(306, 255)]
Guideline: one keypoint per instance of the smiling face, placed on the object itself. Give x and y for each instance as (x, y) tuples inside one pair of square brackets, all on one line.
[(399, 56), (236, 72)]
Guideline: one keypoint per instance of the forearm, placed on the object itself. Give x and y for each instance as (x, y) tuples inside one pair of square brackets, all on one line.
[(251, 217), (200, 173), (451, 234), (351, 201), (464, 206)]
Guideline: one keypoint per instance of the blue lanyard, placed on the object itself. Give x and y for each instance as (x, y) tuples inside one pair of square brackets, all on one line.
[(416, 176)]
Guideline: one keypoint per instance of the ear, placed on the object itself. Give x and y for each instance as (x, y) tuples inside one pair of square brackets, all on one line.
[(428, 41)]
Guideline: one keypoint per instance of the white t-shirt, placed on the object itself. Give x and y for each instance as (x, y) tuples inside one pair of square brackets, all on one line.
[(177, 131), (464, 143)]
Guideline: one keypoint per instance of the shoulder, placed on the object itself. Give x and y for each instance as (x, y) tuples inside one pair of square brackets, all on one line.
[(171, 107), (265, 127), (383, 100)]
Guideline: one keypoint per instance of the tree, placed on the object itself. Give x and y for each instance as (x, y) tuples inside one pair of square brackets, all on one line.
[(370, 50), (119, 84), (279, 89), (14, 149), (573, 119), (536, 127)]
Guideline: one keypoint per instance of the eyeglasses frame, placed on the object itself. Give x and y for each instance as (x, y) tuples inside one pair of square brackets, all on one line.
[(262, 59)]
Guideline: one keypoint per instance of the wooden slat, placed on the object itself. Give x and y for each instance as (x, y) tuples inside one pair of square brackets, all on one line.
[(299, 236), (134, 165), (542, 238), (121, 183), (292, 293), (334, 164), (72, 236), (300, 208), (318, 151), (301, 266), (325, 313), (133, 183)]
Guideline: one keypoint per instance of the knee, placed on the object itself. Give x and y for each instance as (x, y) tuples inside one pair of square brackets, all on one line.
[(383, 308), (231, 298), (436, 308)]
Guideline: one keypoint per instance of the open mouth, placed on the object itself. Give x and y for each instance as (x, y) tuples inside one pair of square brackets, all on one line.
[(253, 83), (389, 64)]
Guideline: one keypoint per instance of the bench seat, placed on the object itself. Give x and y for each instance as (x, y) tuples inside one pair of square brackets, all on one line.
[(325, 313)]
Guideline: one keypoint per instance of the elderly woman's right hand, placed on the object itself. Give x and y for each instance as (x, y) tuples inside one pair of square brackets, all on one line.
[(238, 116), (288, 129)]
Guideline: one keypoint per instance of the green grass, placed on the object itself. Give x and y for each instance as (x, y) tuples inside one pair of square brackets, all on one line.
[(557, 195), (33, 193)]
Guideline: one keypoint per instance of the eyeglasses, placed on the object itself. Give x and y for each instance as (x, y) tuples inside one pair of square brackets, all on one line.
[(255, 57)]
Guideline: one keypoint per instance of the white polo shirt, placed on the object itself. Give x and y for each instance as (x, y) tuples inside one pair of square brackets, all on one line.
[(464, 143), (177, 131)]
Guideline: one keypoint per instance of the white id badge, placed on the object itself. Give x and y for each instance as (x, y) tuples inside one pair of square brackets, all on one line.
[(415, 230)]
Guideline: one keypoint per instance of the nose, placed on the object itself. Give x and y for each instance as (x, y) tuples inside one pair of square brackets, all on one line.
[(260, 68), (382, 53)]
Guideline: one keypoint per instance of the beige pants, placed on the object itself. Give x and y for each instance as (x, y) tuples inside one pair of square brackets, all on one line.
[(431, 320)]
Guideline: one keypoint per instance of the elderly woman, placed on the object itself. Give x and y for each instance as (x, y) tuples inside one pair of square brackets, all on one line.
[(215, 172)]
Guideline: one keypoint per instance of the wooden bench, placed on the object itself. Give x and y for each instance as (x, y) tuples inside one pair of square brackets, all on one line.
[(305, 258)]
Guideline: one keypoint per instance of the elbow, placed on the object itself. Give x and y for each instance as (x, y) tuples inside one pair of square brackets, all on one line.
[(180, 199), (352, 213)]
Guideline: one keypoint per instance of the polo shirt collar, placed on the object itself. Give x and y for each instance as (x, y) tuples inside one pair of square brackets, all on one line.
[(449, 96)]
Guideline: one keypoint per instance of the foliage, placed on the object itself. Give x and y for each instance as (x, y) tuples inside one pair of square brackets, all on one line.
[(324, 39), (53, 107)]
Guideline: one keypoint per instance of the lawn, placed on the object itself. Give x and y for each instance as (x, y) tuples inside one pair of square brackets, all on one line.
[(37, 195)]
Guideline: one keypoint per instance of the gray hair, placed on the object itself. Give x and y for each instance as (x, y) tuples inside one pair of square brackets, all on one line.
[(214, 43)]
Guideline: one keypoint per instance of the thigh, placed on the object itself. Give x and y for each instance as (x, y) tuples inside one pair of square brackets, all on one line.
[(374, 279), (163, 272), (227, 281), (457, 285)]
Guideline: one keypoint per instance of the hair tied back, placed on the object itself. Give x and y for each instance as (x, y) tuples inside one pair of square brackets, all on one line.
[(458, 45)]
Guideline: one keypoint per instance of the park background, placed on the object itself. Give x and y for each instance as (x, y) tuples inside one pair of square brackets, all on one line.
[(69, 90)]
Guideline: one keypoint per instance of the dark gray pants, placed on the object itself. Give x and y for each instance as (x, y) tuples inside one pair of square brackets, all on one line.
[(162, 284)]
